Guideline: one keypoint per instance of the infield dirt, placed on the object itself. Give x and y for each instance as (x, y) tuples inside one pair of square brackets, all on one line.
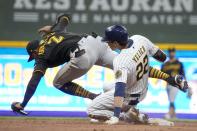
[(55, 124)]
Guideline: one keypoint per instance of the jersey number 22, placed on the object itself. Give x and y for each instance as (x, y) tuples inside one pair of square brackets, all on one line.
[(142, 68)]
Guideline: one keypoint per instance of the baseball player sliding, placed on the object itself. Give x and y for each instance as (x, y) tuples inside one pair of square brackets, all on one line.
[(131, 68), (59, 46)]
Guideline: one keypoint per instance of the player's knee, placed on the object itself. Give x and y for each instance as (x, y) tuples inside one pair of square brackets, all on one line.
[(90, 109), (57, 83), (108, 87)]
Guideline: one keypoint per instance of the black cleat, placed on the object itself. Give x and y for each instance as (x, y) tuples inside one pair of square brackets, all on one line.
[(137, 117), (18, 110), (59, 17)]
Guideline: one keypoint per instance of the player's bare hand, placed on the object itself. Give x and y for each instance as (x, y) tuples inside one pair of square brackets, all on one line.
[(45, 29), (113, 120)]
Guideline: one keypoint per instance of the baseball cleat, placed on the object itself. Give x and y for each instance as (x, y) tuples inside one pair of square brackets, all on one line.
[(137, 117), (16, 107), (62, 16), (96, 121), (97, 117)]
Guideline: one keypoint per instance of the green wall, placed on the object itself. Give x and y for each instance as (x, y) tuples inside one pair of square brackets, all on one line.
[(159, 20)]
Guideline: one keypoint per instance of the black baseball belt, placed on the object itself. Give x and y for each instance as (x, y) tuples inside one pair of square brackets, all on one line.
[(136, 100), (80, 52)]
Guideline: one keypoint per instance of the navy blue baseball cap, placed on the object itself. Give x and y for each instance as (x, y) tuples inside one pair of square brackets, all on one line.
[(116, 33)]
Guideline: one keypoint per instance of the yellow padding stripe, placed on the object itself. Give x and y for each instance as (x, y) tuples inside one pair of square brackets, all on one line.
[(15, 44), (164, 46), (178, 46)]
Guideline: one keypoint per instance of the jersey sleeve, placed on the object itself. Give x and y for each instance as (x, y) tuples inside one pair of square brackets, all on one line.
[(120, 71), (152, 48), (40, 66)]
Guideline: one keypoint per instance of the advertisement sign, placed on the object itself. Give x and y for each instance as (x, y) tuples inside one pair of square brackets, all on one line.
[(15, 73)]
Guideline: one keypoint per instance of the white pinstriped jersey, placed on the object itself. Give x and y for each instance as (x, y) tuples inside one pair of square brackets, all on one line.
[(131, 65)]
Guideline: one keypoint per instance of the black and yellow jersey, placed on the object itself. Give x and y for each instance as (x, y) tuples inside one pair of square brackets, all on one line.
[(173, 68), (54, 50)]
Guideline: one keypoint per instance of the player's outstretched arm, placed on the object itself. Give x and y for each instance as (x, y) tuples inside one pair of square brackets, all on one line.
[(155, 73), (31, 88), (177, 81), (118, 102)]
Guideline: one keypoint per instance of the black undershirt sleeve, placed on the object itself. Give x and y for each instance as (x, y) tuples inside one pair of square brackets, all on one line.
[(31, 87), (38, 73), (160, 56)]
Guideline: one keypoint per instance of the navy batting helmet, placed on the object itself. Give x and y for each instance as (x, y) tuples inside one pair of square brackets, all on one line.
[(32, 46), (116, 33)]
